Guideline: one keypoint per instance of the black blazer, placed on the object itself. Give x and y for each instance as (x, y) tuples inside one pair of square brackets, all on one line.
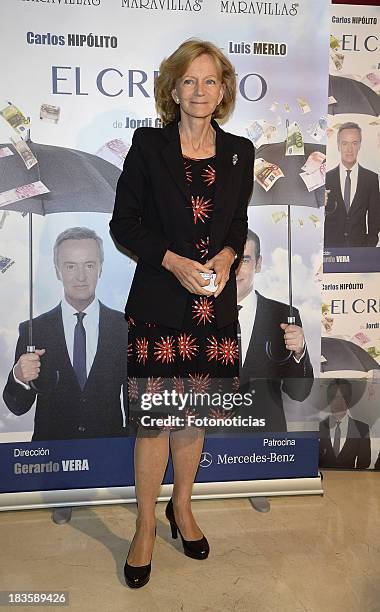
[(344, 229), (64, 411), (270, 379), (356, 451), (151, 216)]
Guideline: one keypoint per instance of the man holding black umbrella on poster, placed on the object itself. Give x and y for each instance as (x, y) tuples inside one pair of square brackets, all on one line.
[(353, 204), (275, 359), (78, 370)]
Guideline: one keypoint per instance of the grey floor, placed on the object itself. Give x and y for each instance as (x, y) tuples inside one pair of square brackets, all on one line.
[(309, 554)]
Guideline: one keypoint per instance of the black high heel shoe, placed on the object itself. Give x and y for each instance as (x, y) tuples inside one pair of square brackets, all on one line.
[(196, 549), (137, 576)]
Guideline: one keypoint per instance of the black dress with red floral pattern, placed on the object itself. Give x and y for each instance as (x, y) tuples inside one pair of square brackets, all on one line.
[(198, 358)]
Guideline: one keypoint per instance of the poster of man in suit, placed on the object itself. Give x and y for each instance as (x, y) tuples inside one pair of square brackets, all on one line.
[(353, 202), (344, 441), (274, 355), (78, 371)]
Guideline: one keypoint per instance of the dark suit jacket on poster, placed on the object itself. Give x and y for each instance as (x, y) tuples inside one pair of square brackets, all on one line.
[(294, 379), (344, 229), (151, 215), (356, 451), (64, 411)]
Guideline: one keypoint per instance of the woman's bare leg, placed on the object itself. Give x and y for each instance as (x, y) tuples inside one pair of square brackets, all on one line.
[(151, 458), (186, 447)]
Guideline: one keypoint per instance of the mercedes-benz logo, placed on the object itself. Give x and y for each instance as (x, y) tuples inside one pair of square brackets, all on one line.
[(206, 460)]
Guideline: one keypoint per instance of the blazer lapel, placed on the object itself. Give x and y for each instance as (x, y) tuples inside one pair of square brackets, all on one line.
[(104, 347), (352, 430), (338, 191), (172, 155), (325, 437), (249, 369), (224, 165), (358, 199), (61, 356)]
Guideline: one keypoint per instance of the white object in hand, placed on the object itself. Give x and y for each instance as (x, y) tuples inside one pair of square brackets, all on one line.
[(209, 276)]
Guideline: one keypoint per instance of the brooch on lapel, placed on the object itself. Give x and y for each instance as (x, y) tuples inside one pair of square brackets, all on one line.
[(235, 159)]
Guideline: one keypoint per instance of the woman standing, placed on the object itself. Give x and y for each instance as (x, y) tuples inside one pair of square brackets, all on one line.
[(181, 207)]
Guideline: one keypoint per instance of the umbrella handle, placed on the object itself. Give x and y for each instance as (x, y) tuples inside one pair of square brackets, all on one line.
[(32, 349), (268, 347), (34, 385), (268, 350), (328, 213)]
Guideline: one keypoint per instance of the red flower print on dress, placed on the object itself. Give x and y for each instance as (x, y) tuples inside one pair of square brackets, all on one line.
[(133, 389), (201, 208), (203, 309), (199, 383), (212, 349), (202, 246), (188, 171), (228, 351), (178, 384), (187, 346), (129, 351), (154, 384), (130, 321), (142, 349), (188, 412), (220, 413), (164, 351), (208, 175), (235, 383)]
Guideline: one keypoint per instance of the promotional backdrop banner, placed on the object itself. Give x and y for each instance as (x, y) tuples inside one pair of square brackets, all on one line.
[(78, 81), (352, 222), (351, 351), (350, 347)]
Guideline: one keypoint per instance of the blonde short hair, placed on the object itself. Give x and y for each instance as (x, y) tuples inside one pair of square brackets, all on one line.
[(174, 67)]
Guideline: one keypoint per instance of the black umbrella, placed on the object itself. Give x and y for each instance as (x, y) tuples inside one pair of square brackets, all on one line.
[(345, 355), (78, 182), (352, 97), (289, 188)]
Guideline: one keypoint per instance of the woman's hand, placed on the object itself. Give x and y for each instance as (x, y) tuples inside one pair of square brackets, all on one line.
[(221, 264), (187, 271)]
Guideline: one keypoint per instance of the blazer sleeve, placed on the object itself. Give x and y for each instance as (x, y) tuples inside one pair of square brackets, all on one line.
[(373, 212), (126, 223), (237, 233), (18, 399)]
